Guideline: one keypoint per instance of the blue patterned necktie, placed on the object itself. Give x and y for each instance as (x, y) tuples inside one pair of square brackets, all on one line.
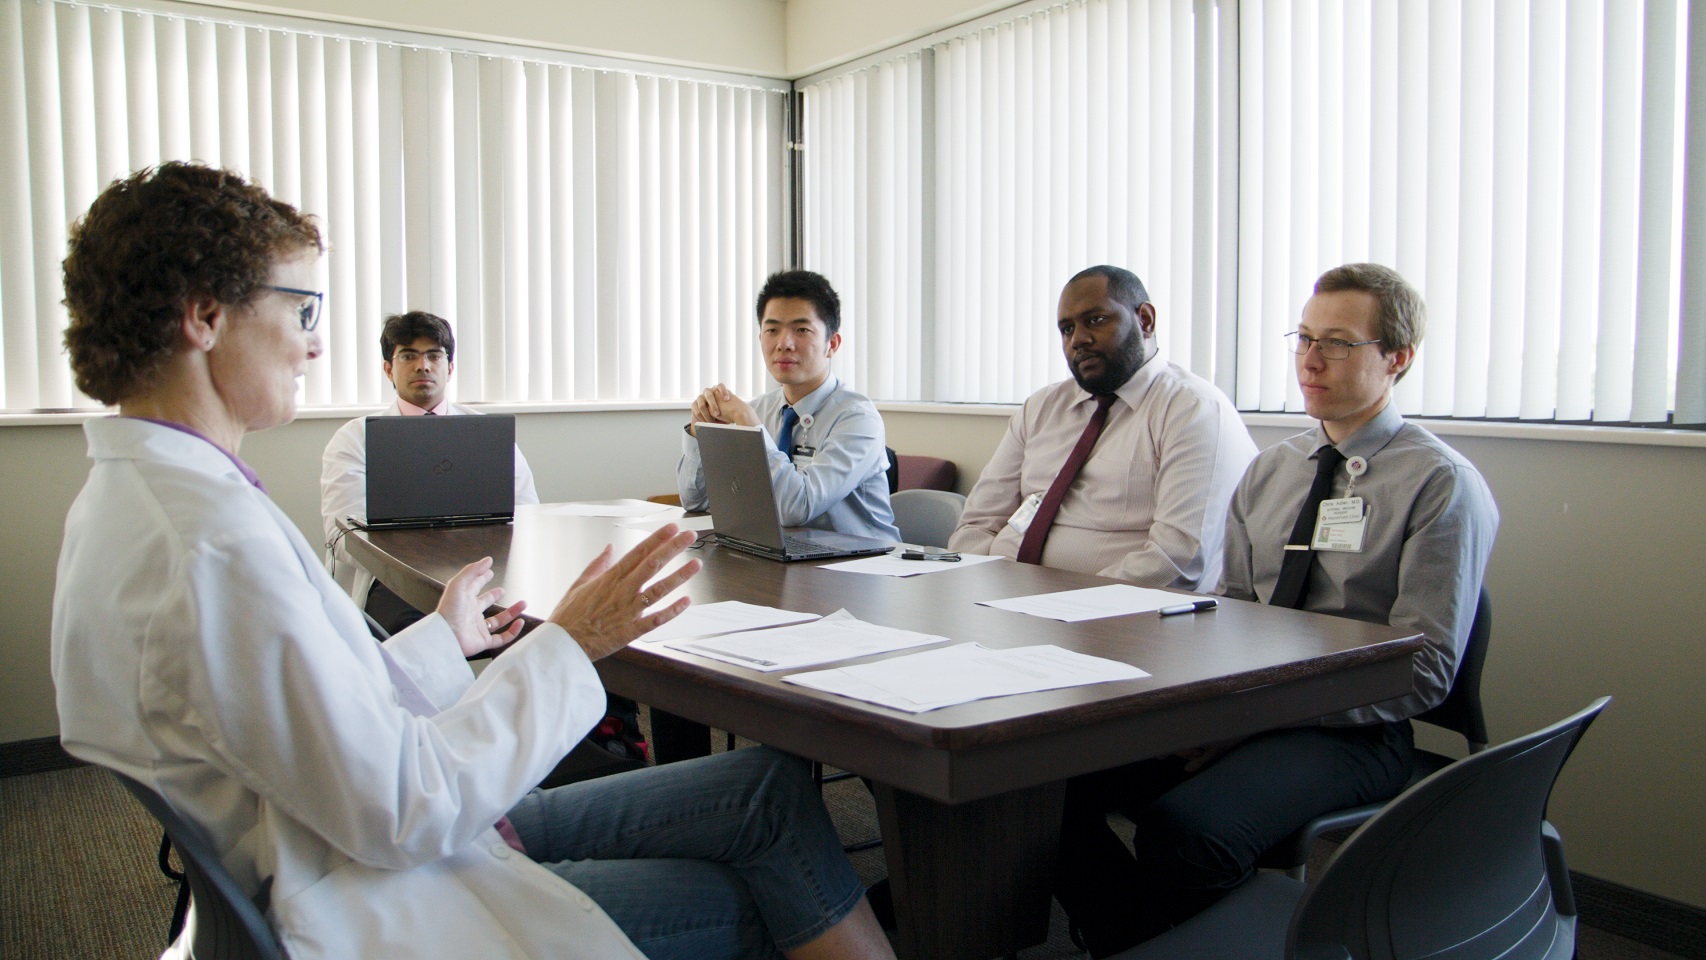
[(785, 438)]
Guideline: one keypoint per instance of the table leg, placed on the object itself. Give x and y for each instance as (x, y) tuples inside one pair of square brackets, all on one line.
[(970, 881)]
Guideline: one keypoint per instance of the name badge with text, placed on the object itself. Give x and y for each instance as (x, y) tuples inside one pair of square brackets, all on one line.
[(1339, 525), (1022, 517)]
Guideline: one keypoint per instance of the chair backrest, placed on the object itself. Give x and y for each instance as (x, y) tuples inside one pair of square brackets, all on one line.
[(1456, 866), (894, 470), (927, 517), (228, 925), (1461, 711), (927, 473)]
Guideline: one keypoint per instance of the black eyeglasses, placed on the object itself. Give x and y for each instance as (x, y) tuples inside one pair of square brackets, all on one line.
[(309, 312), (1332, 348)]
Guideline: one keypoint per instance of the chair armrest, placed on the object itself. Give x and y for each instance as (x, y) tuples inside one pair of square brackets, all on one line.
[(1557, 869)]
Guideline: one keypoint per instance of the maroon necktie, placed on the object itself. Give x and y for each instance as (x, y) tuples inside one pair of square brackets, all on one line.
[(1031, 549)]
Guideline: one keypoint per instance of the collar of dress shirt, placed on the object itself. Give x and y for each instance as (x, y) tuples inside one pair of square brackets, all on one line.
[(1370, 439), (1133, 389), (812, 402), (410, 410)]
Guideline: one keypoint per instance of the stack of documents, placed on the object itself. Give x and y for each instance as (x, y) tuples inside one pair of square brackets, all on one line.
[(1090, 603), (728, 616), (963, 673), (838, 636)]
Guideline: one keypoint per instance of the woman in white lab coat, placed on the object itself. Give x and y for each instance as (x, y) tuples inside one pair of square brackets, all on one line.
[(379, 796)]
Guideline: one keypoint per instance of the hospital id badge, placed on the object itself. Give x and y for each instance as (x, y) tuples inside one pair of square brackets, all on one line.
[(1339, 525), (803, 456), (1022, 517)]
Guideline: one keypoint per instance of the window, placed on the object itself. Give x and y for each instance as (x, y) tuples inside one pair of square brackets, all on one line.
[(1062, 137), (1523, 162), (593, 229)]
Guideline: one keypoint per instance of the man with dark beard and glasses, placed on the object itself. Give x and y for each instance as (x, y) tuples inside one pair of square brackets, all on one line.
[(1126, 469)]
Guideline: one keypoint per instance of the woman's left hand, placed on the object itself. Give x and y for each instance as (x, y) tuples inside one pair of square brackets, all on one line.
[(463, 606)]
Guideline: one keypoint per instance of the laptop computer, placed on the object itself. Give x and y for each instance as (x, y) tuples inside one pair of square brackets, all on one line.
[(743, 504), (440, 471)]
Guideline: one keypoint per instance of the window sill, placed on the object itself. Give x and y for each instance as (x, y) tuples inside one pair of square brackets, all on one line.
[(1444, 427)]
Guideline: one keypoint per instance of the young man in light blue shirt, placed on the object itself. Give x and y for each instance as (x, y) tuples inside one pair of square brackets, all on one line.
[(828, 459)]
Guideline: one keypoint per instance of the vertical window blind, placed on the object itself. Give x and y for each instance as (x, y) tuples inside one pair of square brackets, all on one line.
[(593, 230), (1520, 161), (1525, 163), (1053, 139)]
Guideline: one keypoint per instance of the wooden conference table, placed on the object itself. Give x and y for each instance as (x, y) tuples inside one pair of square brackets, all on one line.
[(968, 797)]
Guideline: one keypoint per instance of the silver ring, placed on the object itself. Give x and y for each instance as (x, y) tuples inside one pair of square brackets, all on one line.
[(490, 625), (645, 601)]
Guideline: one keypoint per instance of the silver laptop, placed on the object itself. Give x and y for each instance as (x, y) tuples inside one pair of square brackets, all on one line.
[(743, 504), (440, 471)]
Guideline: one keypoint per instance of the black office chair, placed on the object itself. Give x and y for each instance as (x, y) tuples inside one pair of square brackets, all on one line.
[(1460, 712), (894, 470), (1461, 865), (228, 925)]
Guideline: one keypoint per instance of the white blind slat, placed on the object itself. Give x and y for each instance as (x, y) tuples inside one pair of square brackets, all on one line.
[(442, 181)]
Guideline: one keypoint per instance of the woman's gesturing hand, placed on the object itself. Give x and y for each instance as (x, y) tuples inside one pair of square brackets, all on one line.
[(463, 606), (605, 608)]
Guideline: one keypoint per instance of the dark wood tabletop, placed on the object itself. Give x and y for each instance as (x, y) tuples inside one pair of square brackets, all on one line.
[(964, 770)]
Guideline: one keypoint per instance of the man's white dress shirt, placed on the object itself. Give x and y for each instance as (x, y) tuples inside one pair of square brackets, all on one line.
[(343, 490), (1149, 505)]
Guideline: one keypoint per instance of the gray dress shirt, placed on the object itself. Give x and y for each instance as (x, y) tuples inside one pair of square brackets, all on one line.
[(1429, 529), (838, 478)]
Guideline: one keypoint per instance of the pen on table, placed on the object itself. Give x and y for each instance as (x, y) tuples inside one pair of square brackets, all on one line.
[(1195, 606), (921, 555)]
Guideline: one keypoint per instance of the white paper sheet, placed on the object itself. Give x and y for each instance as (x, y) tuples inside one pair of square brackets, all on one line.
[(891, 565), (619, 508), (727, 616), (838, 636), (960, 674), (1091, 603), (649, 524)]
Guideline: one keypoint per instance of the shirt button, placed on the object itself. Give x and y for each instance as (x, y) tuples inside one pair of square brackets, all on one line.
[(501, 851), (584, 900)]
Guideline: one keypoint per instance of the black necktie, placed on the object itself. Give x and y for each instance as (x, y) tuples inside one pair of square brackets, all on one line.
[(1293, 585)]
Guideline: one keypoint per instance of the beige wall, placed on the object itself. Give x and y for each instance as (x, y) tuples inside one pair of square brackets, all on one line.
[(744, 36), (1595, 581), (823, 33)]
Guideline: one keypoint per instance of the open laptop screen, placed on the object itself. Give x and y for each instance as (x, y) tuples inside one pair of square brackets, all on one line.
[(430, 470)]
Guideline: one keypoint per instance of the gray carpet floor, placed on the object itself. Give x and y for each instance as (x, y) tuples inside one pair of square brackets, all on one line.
[(80, 881)]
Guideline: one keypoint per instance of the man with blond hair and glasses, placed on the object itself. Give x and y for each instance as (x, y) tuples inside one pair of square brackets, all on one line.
[(1364, 516)]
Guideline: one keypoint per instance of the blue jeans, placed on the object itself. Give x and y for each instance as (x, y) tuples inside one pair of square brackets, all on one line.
[(731, 855)]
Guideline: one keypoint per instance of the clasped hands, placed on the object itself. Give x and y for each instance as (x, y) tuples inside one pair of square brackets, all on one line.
[(604, 610), (719, 404)]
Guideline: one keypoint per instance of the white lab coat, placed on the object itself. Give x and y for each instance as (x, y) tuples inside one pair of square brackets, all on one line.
[(343, 493), (200, 647)]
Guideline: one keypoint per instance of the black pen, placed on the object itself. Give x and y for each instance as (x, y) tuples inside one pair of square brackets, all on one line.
[(921, 555), (1195, 606)]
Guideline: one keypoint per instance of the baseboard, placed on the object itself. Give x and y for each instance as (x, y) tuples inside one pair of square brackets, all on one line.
[(40, 755), (1658, 922)]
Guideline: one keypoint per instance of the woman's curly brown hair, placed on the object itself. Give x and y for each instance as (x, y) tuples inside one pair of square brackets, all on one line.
[(151, 242)]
